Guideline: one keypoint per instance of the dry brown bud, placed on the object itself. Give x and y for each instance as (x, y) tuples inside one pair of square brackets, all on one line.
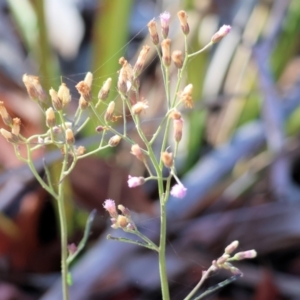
[(56, 101), (10, 137), (16, 126), (137, 152), (139, 107), (83, 104), (177, 58), (125, 76), (103, 93), (186, 96), (178, 126), (153, 32), (114, 141), (69, 136), (167, 159), (4, 114), (139, 65), (182, 16), (166, 52), (175, 115), (34, 88), (50, 117), (64, 94), (84, 90), (109, 112)]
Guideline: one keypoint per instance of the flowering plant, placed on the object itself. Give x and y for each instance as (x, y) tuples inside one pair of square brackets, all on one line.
[(61, 133)]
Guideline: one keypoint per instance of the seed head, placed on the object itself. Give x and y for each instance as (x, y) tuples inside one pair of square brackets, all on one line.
[(88, 79), (175, 115), (84, 90), (64, 94), (186, 96), (83, 104), (139, 107), (34, 88)]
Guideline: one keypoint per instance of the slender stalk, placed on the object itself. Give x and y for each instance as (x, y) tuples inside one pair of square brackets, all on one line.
[(63, 229)]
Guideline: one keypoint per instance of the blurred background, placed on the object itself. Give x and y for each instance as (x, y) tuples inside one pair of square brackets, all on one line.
[(240, 157)]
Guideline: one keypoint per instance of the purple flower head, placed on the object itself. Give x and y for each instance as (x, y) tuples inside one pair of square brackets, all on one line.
[(223, 31), (178, 191), (135, 181), (164, 21), (110, 206)]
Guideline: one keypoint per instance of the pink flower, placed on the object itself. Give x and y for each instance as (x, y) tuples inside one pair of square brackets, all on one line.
[(178, 191), (135, 181), (223, 31), (110, 206), (164, 21)]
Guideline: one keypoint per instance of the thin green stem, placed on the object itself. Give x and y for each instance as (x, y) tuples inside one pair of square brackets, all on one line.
[(63, 228), (199, 284)]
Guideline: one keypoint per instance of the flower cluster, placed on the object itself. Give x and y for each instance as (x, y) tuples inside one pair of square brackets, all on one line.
[(122, 220)]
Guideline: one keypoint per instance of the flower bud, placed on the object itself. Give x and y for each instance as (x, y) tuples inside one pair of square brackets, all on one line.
[(222, 32), (125, 76), (139, 107), (153, 32), (50, 117), (177, 58), (166, 52), (139, 65), (103, 93), (110, 206), (69, 136), (231, 247), (109, 112), (56, 101), (167, 159), (164, 21), (72, 248), (221, 260), (64, 94), (178, 126), (114, 141), (186, 96), (135, 181), (4, 114), (16, 126), (99, 128), (137, 152), (182, 16), (245, 255), (10, 137)]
